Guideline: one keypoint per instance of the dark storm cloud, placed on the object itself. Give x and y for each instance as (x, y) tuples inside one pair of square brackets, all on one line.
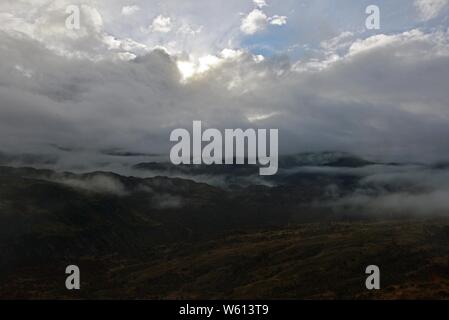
[(384, 96)]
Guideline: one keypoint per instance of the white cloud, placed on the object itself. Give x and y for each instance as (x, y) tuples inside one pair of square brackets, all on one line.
[(260, 3), (130, 10), (190, 68), (278, 20), (257, 21), (261, 117), (429, 9), (429, 194), (341, 41), (415, 36), (254, 22), (93, 15), (98, 183), (187, 29), (231, 53), (161, 24), (186, 68)]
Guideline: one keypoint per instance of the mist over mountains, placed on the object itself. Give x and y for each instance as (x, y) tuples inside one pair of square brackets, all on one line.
[(347, 180), (169, 217)]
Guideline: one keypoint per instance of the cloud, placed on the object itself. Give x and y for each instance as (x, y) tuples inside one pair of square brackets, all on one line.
[(254, 22), (417, 191), (257, 21), (435, 202), (97, 183), (260, 3), (383, 95), (429, 9), (143, 99), (187, 29), (130, 10), (190, 68), (278, 20), (106, 184), (342, 41), (161, 24)]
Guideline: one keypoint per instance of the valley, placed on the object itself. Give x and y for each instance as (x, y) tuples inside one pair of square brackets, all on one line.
[(307, 233)]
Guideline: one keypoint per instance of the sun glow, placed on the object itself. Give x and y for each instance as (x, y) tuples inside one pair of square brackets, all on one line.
[(186, 69)]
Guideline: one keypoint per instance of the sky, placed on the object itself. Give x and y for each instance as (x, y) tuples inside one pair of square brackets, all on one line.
[(136, 70)]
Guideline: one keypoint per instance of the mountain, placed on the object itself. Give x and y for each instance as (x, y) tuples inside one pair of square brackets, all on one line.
[(48, 215), (168, 237), (332, 159), (307, 261), (327, 158), (248, 174), (184, 169)]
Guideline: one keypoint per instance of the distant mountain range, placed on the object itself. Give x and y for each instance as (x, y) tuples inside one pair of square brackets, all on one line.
[(143, 231)]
